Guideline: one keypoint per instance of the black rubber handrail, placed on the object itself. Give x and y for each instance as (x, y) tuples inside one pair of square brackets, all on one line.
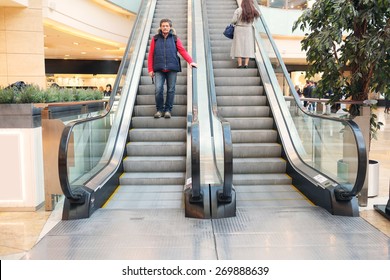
[(341, 192), (196, 195)]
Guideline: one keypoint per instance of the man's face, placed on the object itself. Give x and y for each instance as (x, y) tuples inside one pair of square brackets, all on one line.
[(165, 28)]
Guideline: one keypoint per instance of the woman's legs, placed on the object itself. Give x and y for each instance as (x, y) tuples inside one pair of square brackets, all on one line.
[(246, 62), (239, 61)]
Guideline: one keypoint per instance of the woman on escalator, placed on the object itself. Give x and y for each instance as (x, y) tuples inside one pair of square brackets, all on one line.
[(243, 45)]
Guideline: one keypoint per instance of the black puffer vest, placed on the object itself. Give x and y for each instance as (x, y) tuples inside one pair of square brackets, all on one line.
[(165, 53)]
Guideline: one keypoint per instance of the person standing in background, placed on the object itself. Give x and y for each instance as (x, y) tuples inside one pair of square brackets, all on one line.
[(164, 63), (243, 45), (108, 90)]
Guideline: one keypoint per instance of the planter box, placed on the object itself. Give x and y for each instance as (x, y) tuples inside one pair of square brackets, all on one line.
[(19, 116), (21, 162), (29, 140)]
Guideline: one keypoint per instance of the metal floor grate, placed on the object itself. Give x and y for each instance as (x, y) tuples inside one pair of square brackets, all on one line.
[(165, 234)]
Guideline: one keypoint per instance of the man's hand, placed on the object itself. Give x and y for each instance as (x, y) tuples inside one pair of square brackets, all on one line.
[(194, 65), (151, 74)]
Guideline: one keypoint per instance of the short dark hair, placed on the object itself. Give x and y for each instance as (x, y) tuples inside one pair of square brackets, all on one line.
[(166, 20)]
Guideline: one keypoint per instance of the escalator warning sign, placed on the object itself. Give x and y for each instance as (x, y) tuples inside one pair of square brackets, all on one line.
[(320, 179)]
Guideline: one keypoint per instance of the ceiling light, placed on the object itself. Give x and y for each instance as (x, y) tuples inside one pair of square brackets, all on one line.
[(75, 43), (83, 52)]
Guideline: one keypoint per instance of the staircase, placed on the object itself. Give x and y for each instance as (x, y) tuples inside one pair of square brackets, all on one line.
[(259, 171), (154, 168)]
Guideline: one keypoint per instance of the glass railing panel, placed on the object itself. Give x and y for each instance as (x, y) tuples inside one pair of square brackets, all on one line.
[(219, 150), (285, 4), (326, 144)]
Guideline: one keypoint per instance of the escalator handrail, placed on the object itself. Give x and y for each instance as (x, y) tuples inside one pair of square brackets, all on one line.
[(193, 157), (67, 132), (225, 125), (358, 136)]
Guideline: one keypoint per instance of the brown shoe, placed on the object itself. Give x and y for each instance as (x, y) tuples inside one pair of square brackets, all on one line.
[(158, 115), (167, 115)]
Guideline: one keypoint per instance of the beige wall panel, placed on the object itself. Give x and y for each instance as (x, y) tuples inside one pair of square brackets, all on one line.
[(39, 80), (2, 42), (24, 42), (3, 81), (26, 65), (2, 24), (35, 4), (11, 171), (3, 64), (23, 19)]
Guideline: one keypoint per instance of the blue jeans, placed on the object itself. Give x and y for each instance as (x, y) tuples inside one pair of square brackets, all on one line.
[(170, 78)]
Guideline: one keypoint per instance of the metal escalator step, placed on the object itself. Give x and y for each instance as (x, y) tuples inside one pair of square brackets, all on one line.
[(156, 149), (152, 178), (251, 123), (257, 150), (244, 111), (264, 179), (151, 122), (237, 81), (256, 100), (258, 165), (158, 134), (149, 188), (150, 89), (239, 91), (150, 110), (254, 136), (236, 73), (154, 164), (150, 100)]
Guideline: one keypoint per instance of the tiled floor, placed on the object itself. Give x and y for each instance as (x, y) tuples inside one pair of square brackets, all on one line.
[(19, 231)]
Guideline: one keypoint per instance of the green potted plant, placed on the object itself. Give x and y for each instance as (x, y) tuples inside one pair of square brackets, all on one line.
[(348, 42), (18, 102)]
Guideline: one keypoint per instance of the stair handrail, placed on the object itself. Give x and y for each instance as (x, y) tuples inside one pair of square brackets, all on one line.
[(341, 191), (193, 137), (227, 178)]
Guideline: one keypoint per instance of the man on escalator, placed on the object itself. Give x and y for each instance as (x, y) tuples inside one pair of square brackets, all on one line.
[(164, 64)]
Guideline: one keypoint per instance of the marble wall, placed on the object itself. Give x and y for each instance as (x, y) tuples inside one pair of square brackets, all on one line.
[(22, 44)]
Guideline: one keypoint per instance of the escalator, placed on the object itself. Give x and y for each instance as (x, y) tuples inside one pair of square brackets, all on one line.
[(155, 160), (282, 155), (142, 162), (259, 171), (269, 223)]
